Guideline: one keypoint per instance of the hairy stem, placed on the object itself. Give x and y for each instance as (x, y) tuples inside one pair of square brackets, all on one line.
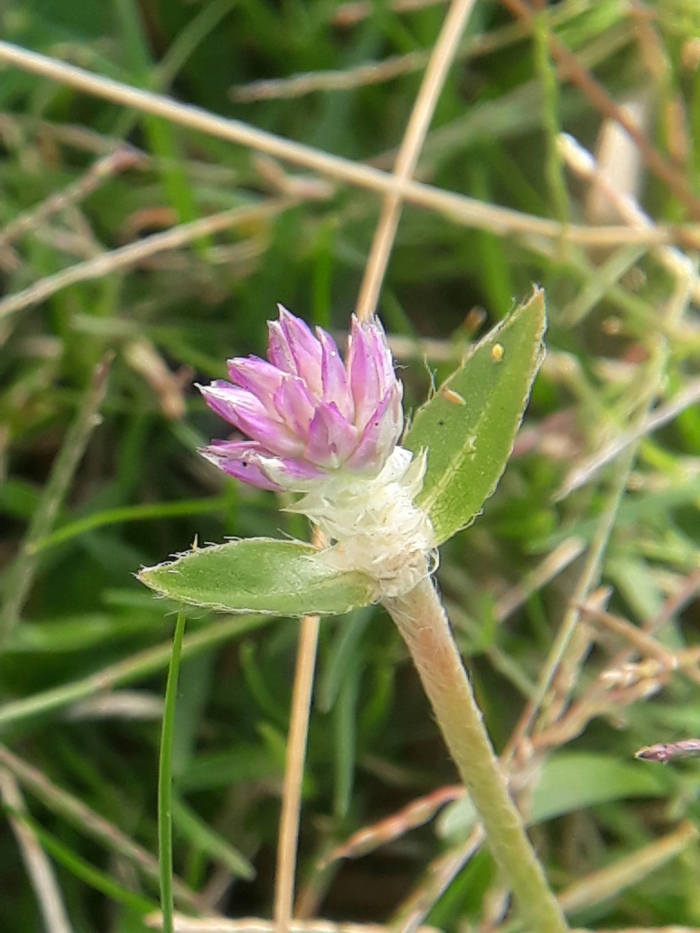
[(422, 622)]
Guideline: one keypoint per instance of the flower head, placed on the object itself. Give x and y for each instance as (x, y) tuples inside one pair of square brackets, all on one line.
[(315, 425), (306, 416)]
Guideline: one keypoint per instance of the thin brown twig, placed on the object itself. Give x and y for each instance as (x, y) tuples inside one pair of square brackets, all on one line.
[(354, 11), (104, 169), (127, 256), (616, 686)]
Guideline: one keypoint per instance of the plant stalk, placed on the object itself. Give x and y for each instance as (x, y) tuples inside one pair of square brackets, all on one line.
[(422, 622)]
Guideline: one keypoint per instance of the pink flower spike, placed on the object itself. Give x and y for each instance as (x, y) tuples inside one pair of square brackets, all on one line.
[(306, 416)]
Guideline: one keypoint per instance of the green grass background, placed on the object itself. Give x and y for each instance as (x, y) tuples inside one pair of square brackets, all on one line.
[(140, 492)]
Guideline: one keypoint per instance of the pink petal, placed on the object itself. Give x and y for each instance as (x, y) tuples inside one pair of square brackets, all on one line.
[(294, 475), (380, 436), (279, 353), (245, 412), (305, 350), (257, 376), (335, 382), (364, 372), (331, 438), (237, 458), (294, 405), (228, 400)]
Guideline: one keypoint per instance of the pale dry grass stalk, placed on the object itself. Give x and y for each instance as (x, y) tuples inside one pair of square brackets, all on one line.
[(438, 877), (377, 72), (294, 772), (416, 813), (459, 208), (584, 164), (571, 69), (421, 116), (585, 471), (622, 682), (185, 924), (571, 644), (39, 868)]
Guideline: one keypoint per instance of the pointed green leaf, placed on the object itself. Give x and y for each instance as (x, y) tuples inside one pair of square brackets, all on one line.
[(261, 575), (470, 423)]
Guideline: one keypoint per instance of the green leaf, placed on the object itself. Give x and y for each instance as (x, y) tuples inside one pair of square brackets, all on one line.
[(469, 425), (261, 575)]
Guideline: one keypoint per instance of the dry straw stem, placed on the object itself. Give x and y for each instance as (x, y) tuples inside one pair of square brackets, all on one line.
[(386, 70), (635, 682), (459, 208), (92, 824), (39, 869), (438, 877), (185, 924), (586, 471), (441, 59), (584, 164), (294, 770), (419, 122)]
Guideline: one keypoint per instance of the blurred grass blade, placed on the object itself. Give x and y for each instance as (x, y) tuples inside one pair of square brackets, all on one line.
[(165, 780), (20, 575), (82, 869), (189, 825)]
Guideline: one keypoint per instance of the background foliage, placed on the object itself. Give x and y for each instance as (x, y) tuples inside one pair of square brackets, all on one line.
[(85, 647)]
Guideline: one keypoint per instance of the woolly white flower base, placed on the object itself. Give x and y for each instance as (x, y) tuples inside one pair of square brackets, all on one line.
[(375, 525)]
